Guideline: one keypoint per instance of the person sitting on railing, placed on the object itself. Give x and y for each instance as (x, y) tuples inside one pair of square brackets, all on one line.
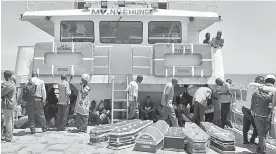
[(217, 41), (207, 39), (248, 119)]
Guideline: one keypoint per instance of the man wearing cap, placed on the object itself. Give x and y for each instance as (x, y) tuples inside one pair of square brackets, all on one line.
[(248, 119), (263, 124), (63, 103), (36, 107), (132, 91)]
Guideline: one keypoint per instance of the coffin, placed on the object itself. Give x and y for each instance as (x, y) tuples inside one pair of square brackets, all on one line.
[(100, 133), (197, 140), (174, 139), (222, 141), (151, 138), (124, 136)]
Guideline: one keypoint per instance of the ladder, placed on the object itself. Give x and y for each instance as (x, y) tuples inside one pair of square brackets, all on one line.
[(118, 100)]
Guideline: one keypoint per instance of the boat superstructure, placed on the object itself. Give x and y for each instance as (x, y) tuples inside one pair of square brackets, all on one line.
[(117, 40), (156, 39)]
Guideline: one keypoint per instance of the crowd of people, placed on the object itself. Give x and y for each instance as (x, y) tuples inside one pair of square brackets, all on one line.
[(203, 103), (194, 103)]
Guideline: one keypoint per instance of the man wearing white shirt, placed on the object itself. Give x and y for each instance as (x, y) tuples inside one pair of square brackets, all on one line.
[(133, 96), (248, 119), (167, 101)]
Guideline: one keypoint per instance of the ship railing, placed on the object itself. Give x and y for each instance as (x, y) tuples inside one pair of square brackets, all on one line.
[(191, 6), (33, 5)]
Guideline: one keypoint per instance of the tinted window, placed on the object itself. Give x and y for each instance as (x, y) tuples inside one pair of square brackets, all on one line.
[(164, 32), (77, 31), (121, 32)]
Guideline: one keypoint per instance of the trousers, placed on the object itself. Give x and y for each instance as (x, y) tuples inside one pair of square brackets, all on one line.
[(62, 116), (248, 120), (263, 125), (133, 110), (36, 109)]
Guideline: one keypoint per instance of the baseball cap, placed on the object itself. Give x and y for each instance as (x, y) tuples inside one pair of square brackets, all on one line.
[(270, 76)]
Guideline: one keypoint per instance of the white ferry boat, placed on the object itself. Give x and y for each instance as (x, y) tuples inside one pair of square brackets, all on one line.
[(115, 41)]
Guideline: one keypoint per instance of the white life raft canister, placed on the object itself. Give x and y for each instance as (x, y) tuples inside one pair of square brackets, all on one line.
[(62, 64), (204, 69)]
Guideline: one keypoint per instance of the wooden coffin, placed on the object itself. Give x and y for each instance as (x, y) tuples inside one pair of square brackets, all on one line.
[(100, 133), (222, 141), (197, 140), (124, 136), (151, 138), (174, 139)]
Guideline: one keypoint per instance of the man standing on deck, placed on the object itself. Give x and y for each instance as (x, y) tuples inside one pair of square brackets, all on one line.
[(248, 119), (133, 97), (263, 123), (167, 101), (63, 103), (207, 38), (36, 106), (217, 42), (224, 98)]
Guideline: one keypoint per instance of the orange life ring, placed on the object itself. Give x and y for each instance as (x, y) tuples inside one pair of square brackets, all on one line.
[(44, 48), (205, 69)]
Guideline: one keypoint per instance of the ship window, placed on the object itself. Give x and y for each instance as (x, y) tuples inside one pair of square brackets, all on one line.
[(121, 32), (77, 31), (164, 32)]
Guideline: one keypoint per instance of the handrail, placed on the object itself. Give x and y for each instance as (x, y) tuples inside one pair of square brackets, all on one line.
[(109, 48), (191, 4), (132, 57)]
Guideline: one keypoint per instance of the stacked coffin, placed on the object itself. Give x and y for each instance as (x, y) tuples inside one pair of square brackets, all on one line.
[(197, 140), (100, 133), (124, 136), (174, 139), (151, 138), (222, 141)]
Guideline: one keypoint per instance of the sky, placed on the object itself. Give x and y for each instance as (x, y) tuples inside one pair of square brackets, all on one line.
[(249, 30)]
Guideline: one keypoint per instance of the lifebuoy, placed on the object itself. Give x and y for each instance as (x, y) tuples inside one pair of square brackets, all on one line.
[(205, 69), (44, 48)]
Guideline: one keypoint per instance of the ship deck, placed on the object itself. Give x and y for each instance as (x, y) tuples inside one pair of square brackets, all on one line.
[(67, 142)]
